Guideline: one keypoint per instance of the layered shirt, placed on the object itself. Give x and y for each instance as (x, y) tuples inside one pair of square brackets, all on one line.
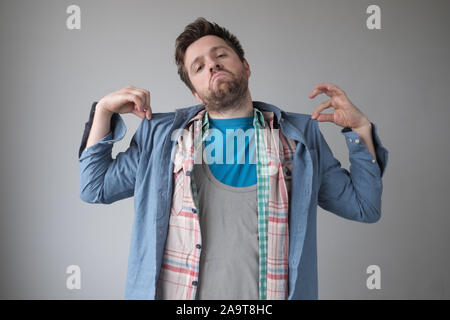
[(274, 153)]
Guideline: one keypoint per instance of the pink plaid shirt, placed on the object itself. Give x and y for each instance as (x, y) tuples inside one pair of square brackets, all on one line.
[(180, 268)]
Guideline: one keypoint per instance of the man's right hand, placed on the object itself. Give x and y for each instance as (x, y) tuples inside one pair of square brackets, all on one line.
[(127, 100)]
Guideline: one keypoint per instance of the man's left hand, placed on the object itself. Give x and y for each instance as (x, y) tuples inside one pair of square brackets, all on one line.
[(345, 113)]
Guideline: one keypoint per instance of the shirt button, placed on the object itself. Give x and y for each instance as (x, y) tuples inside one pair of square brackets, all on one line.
[(194, 283), (356, 140), (188, 173), (198, 246), (194, 211), (373, 160), (350, 139)]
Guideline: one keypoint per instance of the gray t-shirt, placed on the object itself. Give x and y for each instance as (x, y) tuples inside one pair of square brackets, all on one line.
[(229, 261)]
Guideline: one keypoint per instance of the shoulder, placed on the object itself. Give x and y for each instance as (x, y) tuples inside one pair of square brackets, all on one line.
[(160, 121), (301, 121), (151, 133), (295, 123), (308, 127)]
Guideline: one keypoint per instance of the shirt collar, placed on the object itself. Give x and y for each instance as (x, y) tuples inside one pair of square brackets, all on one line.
[(258, 120)]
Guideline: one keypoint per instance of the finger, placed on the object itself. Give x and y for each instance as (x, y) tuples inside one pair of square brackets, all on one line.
[(148, 113), (315, 92), (319, 88), (147, 98), (134, 99), (328, 88), (146, 94), (139, 113), (141, 98), (324, 85), (326, 117), (323, 106), (335, 90), (146, 109)]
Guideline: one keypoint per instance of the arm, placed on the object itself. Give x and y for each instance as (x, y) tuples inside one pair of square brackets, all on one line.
[(354, 195), (100, 125), (102, 178), (365, 135)]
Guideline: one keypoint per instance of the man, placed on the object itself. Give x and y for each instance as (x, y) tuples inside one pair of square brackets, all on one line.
[(227, 230)]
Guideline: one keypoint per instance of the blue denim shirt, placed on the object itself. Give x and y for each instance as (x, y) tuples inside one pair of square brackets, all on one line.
[(145, 169)]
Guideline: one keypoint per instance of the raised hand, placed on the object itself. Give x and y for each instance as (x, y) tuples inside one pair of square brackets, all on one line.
[(345, 113), (128, 100)]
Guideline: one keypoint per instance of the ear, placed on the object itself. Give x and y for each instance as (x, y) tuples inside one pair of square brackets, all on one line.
[(247, 67), (197, 97)]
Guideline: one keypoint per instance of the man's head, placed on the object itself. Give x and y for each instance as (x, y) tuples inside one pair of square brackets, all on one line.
[(211, 63)]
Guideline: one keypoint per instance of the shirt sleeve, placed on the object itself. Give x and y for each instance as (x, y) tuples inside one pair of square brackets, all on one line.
[(87, 129), (102, 178), (354, 194)]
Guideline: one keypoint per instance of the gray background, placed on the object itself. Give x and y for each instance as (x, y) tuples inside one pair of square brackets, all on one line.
[(398, 76)]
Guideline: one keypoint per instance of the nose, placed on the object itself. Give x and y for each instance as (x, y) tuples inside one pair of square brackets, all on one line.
[(217, 66), (214, 65)]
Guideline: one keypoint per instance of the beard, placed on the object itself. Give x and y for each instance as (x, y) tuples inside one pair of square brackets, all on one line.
[(226, 93)]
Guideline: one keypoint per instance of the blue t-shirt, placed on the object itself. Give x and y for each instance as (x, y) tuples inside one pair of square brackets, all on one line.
[(240, 169)]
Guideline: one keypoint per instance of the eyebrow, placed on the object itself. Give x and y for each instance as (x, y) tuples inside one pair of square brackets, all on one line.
[(211, 50)]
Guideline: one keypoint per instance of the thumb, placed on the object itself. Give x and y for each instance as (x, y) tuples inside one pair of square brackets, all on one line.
[(148, 113), (325, 117)]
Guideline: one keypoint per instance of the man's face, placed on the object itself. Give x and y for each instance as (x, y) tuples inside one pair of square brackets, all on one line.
[(219, 77)]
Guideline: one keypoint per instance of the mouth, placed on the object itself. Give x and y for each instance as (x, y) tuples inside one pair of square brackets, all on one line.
[(217, 75)]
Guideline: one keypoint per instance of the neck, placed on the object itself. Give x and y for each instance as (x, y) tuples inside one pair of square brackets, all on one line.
[(242, 108)]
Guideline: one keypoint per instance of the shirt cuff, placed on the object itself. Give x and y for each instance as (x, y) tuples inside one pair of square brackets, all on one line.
[(355, 145), (117, 132)]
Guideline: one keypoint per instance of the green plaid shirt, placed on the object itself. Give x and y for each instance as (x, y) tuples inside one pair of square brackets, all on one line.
[(262, 181)]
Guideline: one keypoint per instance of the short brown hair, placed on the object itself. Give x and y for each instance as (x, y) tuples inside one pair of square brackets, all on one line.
[(194, 31)]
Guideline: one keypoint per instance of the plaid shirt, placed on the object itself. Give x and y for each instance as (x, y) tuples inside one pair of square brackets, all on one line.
[(180, 268)]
